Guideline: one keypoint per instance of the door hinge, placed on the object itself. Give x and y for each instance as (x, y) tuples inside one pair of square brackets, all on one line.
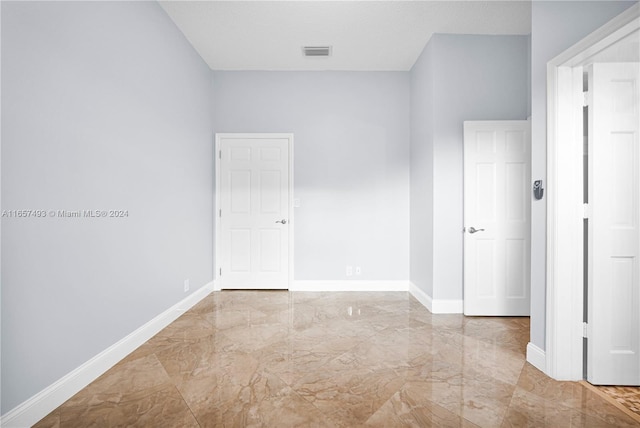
[(219, 213), (220, 154), (585, 99), (585, 330), (220, 271), (585, 211)]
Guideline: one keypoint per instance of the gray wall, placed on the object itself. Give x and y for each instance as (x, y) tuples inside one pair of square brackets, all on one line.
[(472, 78), (555, 26), (105, 105), (421, 188), (351, 162)]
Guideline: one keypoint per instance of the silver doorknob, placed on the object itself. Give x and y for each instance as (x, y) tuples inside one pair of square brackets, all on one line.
[(283, 221), (474, 230)]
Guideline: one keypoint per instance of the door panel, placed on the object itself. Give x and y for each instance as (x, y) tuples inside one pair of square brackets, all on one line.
[(486, 199), (240, 251), (516, 199), (270, 257), (613, 345), (254, 176), (270, 185), (485, 268), (497, 201), (239, 191), (516, 253)]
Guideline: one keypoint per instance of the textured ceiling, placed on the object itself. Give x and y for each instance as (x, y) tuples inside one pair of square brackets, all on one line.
[(365, 35)]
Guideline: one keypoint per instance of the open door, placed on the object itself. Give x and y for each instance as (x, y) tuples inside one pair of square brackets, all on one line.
[(613, 349), (497, 205)]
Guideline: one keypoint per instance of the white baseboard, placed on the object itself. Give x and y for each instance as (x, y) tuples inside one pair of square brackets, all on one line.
[(442, 306), (436, 306), (349, 286), (47, 400), (421, 296), (536, 357)]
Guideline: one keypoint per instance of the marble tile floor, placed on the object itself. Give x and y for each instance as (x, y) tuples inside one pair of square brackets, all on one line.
[(340, 359)]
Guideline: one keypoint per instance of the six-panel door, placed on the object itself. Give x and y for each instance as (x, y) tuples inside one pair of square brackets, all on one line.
[(254, 213), (497, 201)]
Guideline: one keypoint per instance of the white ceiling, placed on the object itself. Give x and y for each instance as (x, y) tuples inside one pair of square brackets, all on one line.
[(365, 35)]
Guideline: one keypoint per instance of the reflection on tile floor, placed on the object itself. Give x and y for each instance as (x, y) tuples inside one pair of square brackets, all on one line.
[(342, 359)]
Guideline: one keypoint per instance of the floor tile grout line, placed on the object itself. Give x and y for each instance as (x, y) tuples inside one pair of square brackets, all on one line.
[(187, 404), (173, 383), (513, 393)]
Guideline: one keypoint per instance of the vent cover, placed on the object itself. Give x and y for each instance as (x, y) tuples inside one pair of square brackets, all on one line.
[(316, 50)]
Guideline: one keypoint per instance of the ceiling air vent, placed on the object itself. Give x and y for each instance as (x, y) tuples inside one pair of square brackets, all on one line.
[(316, 50)]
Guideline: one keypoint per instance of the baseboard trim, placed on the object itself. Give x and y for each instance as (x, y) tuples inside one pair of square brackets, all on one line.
[(349, 286), (436, 306), (536, 357), (40, 405), (442, 306), (421, 296)]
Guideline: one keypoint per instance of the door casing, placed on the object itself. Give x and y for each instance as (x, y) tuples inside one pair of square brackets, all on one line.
[(291, 221), (564, 247)]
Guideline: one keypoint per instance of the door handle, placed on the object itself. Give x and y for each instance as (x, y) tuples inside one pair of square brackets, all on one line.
[(474, 230), (283, 221)]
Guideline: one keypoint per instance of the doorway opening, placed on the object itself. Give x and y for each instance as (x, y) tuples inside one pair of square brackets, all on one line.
[(593, 210)]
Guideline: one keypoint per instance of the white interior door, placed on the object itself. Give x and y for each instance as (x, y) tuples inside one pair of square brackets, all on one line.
[(614, 235), (254, 211), (497, 202)]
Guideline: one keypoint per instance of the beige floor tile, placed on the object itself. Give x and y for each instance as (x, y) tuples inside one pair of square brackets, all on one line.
[(530, 410), (260, 399), (298, 359), (348, 396), (473, 396), (163, 408), (403, 410)]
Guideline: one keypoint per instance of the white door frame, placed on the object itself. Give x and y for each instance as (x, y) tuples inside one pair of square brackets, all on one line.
[(219, 136), (564, 304)]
